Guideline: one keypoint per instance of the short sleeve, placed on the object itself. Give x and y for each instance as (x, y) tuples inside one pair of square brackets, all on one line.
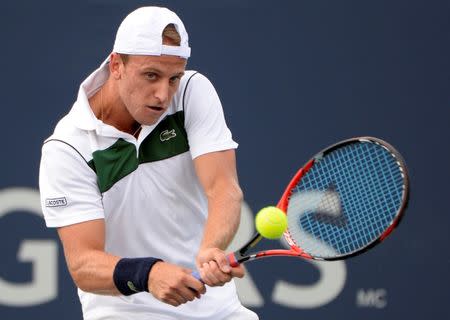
[(204, 118), (68, 186)]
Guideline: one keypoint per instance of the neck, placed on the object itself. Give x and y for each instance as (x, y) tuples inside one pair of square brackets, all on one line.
[(109, 108)]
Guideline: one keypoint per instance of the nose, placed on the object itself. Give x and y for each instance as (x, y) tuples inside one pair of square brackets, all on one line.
[(162, 92)]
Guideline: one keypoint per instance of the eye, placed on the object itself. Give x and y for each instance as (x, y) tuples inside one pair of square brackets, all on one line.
[(175, 79), (151, 75)]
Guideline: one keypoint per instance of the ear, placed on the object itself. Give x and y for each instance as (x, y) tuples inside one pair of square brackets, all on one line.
[(116, 66)]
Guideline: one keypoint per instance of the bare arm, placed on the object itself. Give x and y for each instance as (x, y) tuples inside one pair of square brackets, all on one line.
[(217, 174), (92, 268), (89, 265)]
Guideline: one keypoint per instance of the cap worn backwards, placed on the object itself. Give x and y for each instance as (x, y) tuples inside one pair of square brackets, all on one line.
[(140, 33)]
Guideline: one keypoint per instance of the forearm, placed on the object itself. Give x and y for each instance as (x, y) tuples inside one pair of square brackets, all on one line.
[(93, 271), (224, 208), (217, 173), (89, 265)]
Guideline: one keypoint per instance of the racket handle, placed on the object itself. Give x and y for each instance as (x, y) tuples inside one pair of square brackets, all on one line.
[(232, 261), (196, 275)]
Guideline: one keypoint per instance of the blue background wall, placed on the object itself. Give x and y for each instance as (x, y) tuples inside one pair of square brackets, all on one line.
[(294, 77)]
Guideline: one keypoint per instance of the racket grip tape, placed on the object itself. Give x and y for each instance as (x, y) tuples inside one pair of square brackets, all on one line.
[(232, 261), (196, 275)]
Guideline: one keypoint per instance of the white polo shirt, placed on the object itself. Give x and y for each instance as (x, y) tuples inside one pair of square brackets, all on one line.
[(146, 190)]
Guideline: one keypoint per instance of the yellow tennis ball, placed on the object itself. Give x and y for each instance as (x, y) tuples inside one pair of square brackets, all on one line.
[(271, 222)]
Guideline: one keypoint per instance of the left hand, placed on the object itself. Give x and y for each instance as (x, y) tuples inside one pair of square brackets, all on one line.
[(214, 269)]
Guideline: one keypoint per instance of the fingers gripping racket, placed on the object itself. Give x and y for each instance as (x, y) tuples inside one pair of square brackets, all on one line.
[(344, 201)]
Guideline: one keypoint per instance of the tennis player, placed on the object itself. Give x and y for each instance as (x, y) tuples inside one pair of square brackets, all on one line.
[(139, 178)]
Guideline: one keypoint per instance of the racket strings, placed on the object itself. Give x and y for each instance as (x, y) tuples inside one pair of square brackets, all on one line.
[(346, 200)]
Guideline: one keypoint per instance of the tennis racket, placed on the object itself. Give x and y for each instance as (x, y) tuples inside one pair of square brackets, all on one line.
[(344, 201)]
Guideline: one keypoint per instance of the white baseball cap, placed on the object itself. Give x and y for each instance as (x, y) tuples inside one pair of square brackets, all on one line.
[(140, 33)]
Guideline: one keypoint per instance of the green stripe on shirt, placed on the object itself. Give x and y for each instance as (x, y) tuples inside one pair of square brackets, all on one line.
[(168, 139)]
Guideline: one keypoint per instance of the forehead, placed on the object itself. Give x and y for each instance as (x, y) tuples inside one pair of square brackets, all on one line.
[(164, 63)]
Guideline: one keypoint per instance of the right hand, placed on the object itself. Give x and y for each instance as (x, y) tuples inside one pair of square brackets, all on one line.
[(214, 268), (173, 285)]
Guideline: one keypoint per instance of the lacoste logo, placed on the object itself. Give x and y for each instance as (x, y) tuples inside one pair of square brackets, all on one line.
[(167, 135), (131, 286), (56, 202)]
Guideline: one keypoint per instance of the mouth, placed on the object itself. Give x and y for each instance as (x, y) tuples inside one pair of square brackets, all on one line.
[(156, 108)]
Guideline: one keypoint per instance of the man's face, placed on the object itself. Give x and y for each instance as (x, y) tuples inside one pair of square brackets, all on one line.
[(146, 85)]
